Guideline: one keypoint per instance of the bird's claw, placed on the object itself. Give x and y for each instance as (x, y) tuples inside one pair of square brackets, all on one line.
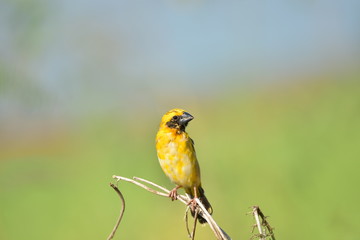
[(173, 194), (192, 204)]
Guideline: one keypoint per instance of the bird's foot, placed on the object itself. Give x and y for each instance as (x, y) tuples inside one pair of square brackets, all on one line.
[(192, 204), (173, 193)]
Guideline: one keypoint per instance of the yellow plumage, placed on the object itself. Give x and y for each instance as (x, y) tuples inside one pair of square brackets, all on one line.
[(177, 157)]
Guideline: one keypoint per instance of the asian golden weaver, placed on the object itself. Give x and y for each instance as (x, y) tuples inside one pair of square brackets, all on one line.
[(177, 157)]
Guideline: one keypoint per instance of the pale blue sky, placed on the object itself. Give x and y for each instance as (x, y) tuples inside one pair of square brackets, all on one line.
[(73, 52)]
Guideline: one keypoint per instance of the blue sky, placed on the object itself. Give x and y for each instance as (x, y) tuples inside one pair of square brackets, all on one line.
[(111, 51)]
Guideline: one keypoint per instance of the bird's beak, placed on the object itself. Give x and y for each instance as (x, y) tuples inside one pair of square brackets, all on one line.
[(185, 118)]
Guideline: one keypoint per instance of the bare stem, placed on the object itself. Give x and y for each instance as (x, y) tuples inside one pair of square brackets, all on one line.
[(112, 234), (258, 224), (266, 224), (195, 221), (219, 233), (262, 234)]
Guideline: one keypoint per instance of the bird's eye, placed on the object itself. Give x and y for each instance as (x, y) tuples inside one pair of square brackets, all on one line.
[(175, 118)]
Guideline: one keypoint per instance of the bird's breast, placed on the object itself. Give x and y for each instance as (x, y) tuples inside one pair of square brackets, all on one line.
[(178, 160)]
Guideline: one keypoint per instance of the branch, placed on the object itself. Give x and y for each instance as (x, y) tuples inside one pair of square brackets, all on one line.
[(262, 232), (218, 232), (121, 211)]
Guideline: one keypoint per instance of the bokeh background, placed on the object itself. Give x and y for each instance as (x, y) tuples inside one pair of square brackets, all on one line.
[(274, 87)]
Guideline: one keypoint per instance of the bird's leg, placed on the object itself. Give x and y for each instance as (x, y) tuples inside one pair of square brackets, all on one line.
[(173, 193), (192, 203)]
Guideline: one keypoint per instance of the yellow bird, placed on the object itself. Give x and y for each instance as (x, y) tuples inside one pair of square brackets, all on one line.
[(177, 157)]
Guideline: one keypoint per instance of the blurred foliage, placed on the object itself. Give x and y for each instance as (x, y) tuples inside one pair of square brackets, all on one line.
[(83, 86), (292, 149)]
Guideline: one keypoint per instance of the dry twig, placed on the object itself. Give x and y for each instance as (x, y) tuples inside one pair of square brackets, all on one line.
[(263, 226), (194, 228), (218, 232), (262, 232), (121, 211)]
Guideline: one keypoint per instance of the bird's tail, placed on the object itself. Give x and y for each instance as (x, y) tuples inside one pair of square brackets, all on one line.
[(203, 200)]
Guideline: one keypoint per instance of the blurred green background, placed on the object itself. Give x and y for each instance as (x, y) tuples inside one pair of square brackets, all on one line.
[(274, 88)]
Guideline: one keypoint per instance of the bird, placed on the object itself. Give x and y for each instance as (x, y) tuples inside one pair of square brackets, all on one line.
[(177, 158)]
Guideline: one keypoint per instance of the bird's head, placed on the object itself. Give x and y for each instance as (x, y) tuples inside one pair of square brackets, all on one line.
[(176, 119)]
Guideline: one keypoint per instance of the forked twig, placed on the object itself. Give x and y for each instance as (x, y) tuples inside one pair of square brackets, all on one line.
[(192, 233), (219, 233), (258, 224), (262, 232)]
